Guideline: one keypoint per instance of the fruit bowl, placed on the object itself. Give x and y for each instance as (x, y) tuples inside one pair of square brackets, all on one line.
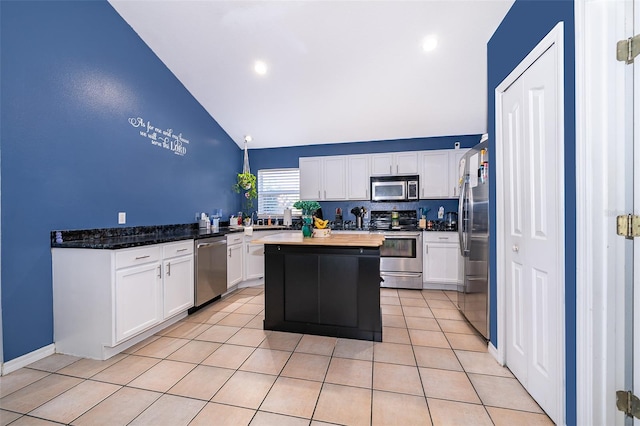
[(321, 233)]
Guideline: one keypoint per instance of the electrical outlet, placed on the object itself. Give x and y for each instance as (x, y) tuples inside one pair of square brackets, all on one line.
[(456, 145), (122, 218)]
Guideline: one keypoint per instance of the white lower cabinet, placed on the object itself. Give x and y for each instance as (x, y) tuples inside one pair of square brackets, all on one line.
[(254, 254), (441, 260), (235, 259), (107, 300), (178, 281), (138, 299), (253, 260)]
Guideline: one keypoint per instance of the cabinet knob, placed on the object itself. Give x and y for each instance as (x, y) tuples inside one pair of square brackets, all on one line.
[(515, 248)]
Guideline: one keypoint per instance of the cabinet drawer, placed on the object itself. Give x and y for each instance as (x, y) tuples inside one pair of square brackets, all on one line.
[(235, 238), (441, 237), (138, 256), (177, 249)]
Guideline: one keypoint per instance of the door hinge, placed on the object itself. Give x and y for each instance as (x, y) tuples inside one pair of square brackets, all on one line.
[(627, 50), (628, 403), (628, 226)]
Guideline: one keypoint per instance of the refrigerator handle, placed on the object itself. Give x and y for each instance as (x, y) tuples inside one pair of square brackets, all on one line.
[(461, 218)]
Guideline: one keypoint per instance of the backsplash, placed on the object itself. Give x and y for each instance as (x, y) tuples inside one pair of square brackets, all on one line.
[(431, 206)]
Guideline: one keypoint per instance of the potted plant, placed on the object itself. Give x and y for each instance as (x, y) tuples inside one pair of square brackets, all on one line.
[(246, 183), (308, 208)]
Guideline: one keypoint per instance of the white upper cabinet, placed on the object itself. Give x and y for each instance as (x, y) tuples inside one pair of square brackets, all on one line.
[(358, 177), (454, 170), (323, 178), (310, 178), (346, 177), (434, 174), (406, 163), (440, 173), (394, 163), (335, 172)]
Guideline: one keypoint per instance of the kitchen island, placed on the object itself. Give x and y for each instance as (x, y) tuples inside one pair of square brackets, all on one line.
[(325, 286)]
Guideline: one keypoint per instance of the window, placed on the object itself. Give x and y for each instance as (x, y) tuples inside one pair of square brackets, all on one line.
[(277, 190)]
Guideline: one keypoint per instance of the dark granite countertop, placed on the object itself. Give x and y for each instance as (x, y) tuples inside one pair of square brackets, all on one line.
[(119, 238)]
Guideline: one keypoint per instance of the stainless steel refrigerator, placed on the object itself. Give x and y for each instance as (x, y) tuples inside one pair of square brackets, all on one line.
[(473, 230)]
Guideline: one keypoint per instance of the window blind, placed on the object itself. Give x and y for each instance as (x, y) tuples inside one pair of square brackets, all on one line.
[(277, 190)]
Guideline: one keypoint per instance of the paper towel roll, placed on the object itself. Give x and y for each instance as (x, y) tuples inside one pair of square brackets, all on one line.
[(286, 220)]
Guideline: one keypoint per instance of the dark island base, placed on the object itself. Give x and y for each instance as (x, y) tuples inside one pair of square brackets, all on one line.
[(328, 291)]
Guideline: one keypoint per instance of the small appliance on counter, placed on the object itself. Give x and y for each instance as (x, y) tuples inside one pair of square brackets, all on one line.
[(451, 221), (286, 220), (338, 220), (359, 213)]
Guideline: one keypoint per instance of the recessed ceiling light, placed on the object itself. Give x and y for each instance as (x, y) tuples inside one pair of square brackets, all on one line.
[(429, 43), (260, 68)]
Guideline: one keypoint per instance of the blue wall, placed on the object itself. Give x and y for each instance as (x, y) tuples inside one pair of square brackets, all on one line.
[(273, 158), (524, 26), (73, 74)]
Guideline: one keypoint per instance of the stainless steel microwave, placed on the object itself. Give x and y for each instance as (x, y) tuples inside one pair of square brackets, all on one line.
[(394, 188)]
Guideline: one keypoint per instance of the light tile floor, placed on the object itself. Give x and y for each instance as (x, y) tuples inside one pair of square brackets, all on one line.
[(218, 367)]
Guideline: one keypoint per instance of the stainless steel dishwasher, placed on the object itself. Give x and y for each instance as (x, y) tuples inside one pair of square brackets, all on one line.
[(211, 269)]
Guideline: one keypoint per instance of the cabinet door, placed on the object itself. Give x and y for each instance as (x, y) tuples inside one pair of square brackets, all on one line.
[(234, 265), (406, 163), (440, 263), (253, 261), (310, 178), (454, 171), (358, 177), (138, 299), (334, 182), (178, 285), (381, 164), (434, 175)]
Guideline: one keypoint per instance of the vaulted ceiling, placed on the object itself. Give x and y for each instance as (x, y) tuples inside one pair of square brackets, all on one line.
[(336, 71)]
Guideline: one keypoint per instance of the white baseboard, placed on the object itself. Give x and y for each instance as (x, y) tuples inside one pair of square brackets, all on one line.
[(493, 351), (26, 359)]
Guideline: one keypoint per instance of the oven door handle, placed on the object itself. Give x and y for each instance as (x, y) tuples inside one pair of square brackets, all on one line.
[(399, 235), (401, 274)]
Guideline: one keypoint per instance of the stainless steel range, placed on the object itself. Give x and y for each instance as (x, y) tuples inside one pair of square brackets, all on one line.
[(401, 252)]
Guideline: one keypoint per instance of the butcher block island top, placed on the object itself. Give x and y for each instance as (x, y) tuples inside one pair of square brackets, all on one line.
[(334, 240)]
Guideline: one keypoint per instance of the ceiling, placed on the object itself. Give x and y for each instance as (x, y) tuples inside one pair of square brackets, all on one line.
[(337, 71)]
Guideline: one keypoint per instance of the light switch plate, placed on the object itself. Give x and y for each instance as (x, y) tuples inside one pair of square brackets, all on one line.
[(122, 218)]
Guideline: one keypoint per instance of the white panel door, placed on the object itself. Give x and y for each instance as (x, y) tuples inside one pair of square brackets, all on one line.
[(529, 128), (513, 135)]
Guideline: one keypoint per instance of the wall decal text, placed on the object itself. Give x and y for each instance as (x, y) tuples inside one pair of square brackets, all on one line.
[(166, 138)]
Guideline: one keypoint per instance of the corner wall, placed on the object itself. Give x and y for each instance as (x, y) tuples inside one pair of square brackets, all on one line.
[(75, 79), (527, 22)]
